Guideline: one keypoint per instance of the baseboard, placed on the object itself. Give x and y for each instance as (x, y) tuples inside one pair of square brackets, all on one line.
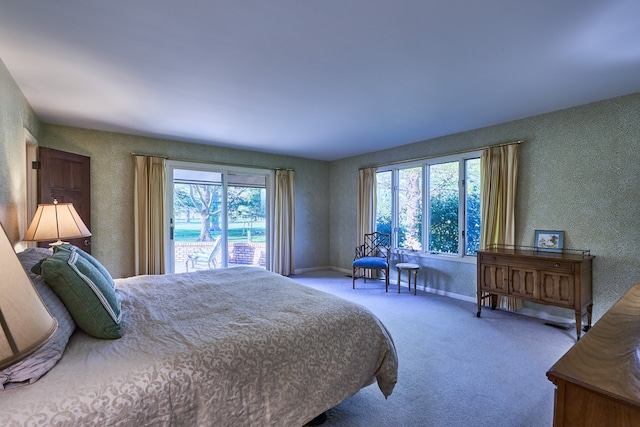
[(309, 270), (342, 270)]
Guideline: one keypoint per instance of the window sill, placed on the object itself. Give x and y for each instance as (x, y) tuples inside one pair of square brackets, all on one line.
[(441, 257)]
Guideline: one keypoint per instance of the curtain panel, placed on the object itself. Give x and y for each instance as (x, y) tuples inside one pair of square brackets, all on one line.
[(284, 223), (149, 215), (499, 176), (366, 203), (366, 210)]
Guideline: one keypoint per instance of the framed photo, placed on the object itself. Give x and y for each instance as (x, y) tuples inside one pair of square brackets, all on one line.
[(549, 241)]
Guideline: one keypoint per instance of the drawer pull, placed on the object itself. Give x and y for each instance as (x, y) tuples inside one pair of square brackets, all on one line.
[(556, 265)]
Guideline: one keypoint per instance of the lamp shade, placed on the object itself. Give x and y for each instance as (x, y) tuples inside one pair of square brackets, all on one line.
[(56, 221), (25, 322)]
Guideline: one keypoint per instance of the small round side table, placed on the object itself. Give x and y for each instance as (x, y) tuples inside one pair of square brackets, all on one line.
[(411, 269)]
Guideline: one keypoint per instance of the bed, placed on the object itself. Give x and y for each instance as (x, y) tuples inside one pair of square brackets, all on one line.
[(227, 347)]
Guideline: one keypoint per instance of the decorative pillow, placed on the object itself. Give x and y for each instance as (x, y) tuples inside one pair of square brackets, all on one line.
[(88, 291), (88, 257), (29, 370)]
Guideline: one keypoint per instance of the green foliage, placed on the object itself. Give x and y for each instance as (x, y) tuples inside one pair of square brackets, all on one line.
[(443, 234), (473, 224), (383, 224)]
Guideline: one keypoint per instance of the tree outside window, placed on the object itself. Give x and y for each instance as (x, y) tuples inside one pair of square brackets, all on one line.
[(410, 208)]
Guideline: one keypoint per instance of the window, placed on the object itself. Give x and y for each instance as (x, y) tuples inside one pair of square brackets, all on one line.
[(431, 206), (219, 216)]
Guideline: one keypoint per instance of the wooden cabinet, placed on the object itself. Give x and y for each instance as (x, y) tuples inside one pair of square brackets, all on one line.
[(561, 279), (598, 379)]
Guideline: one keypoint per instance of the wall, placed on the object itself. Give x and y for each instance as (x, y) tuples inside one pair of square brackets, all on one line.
[(579, 170), (112, 190), (15, 116)]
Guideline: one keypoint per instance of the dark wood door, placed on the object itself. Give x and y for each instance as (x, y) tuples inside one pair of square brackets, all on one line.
[(66, 177)]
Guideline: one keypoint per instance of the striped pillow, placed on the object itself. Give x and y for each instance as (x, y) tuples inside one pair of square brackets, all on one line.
[(88, 291)]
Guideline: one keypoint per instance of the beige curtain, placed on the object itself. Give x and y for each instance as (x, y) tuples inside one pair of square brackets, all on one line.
[(366, 203), (498, 175), (149, 215), (284, 223), (366, 209)]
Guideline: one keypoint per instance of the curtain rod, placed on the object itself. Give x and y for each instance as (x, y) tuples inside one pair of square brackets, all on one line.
[(210, 162), (416, 159)]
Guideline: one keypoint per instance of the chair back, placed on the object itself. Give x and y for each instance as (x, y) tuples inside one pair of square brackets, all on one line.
[(376, 244), (216, 249)]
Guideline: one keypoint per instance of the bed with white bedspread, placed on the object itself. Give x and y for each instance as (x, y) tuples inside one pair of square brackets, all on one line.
[(228, 347)]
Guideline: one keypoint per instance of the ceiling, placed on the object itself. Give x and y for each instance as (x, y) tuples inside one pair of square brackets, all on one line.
[(317, 79)]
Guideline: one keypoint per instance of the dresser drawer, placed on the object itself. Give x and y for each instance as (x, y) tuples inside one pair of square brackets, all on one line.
[(528, 262), (494, 259), (560, 266)]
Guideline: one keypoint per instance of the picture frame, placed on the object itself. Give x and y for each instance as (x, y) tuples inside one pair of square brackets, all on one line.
[(549, 240)]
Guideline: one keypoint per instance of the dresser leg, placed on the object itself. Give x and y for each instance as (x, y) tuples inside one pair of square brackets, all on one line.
[(578, 324)]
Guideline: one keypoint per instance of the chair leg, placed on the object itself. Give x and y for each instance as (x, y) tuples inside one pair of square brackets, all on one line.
[(386, 279), (353, 278)]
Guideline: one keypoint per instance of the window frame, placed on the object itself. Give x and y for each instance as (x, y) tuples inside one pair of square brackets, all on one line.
[(395, 168), (224, 171)]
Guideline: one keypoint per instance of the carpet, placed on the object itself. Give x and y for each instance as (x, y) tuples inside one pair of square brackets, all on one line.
[(454, 369)]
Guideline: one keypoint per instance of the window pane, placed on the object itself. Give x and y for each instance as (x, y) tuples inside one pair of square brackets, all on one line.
[(246, 220), (196, 205), (443, 208), (410, 208), (472, 206), (383, 204)]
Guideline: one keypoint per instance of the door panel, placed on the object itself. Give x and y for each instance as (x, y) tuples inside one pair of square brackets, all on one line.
[(494, 277), (557, 288), (66, 177), (523, 282)]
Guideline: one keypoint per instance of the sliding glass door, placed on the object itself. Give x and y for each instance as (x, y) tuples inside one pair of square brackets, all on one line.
[(218, 216)]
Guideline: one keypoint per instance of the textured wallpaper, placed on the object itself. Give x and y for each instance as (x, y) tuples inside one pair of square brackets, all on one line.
[(15, 116)]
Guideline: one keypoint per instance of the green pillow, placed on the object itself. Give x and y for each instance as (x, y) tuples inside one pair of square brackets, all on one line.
[(87, 291), (91, 259)]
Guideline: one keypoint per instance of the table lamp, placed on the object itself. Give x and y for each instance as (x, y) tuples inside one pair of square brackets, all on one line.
[(56, 221), (25, 322)]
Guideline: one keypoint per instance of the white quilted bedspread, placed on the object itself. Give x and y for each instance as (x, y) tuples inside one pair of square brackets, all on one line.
[(230, 347)]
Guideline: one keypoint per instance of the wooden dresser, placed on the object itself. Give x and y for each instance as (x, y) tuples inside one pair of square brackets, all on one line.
[(561, 279), (598, 379)]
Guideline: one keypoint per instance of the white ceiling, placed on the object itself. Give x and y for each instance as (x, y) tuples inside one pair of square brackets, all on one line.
[(318, 79)]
